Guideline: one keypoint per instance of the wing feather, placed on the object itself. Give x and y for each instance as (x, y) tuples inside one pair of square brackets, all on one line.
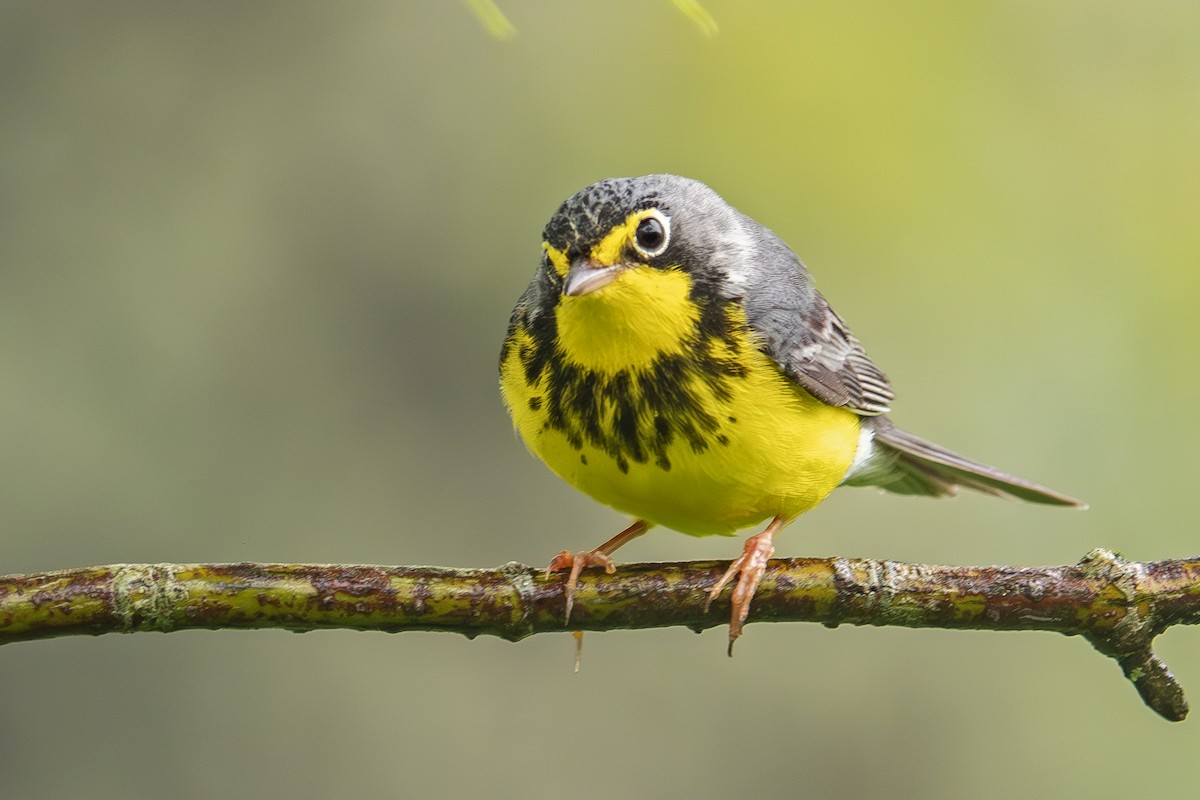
[(805, 337)]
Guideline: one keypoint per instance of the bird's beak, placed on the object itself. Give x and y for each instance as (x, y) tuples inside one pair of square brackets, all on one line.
[(586, 275)]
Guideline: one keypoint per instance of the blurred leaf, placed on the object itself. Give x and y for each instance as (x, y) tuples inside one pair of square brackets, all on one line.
[(697, 14), (492, 18)]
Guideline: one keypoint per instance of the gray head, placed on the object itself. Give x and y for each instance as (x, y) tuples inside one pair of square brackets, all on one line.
[(724, 251)]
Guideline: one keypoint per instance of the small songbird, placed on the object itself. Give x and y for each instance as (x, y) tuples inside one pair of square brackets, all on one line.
[(672, 359)]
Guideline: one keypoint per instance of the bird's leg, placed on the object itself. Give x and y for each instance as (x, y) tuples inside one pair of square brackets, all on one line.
[(748, 568), (599, 557)]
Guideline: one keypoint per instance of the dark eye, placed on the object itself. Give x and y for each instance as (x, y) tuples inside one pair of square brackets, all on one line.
[(651, 236)]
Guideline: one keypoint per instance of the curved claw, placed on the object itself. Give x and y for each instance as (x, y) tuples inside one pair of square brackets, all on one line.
[(749, 569), (577, 563), (599, 557)]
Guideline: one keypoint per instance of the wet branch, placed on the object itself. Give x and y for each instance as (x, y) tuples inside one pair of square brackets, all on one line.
[(1119, 606)]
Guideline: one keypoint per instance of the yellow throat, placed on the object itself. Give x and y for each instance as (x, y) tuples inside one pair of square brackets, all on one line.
[(667, 409)]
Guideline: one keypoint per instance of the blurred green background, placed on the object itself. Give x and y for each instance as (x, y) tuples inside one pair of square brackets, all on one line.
[(256, 260)]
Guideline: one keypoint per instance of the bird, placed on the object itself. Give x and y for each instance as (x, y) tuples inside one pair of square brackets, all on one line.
[(672, 359)]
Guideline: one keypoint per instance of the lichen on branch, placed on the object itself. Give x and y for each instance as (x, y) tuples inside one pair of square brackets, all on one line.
[(1119, 606)]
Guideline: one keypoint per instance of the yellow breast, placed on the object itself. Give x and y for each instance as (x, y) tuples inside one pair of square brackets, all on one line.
[(669, 411)]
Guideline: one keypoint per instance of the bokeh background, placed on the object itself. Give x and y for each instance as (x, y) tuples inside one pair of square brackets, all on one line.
[(256, 260)]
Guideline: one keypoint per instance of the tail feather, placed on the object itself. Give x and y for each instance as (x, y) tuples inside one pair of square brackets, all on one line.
[(917, 466)]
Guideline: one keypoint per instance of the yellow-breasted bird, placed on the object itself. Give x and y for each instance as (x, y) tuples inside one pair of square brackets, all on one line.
[(672, 359)]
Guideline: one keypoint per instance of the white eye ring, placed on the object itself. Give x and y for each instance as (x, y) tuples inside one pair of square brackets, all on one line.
[(652, 235)]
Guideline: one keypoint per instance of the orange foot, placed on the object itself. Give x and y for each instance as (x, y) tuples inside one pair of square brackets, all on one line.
[(600, 557), (748, 568), (577, 563)]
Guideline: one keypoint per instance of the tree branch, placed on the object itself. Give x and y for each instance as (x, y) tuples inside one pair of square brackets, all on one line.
[(1119, 606)]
